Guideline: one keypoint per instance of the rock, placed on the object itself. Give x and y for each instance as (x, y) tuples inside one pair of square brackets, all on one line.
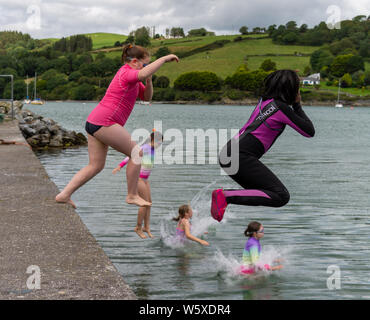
[(48, 121), (39, 126), (7, 107), (28, 119), (81, 139), (27, 130), (43, 132), (56, 142), (54, 129)]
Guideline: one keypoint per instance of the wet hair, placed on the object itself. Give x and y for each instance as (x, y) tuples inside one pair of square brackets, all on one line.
[(182, 211), (130, 52), (281, 85), (253, 227), (156, 136)]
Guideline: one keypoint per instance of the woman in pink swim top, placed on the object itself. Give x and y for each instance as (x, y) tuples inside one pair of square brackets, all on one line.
[(105, 124)]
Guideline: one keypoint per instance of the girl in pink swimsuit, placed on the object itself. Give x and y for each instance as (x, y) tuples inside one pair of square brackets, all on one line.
[(105, 123), (148, 148), (183, 227)]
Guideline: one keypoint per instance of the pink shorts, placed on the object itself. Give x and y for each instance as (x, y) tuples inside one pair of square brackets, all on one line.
[(245, 270)]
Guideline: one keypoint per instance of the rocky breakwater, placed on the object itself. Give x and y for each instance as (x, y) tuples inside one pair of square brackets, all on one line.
[(40, 132), (44, 133)]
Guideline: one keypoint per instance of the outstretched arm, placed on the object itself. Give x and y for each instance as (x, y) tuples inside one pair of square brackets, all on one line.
[(150, 69), (191, 237)]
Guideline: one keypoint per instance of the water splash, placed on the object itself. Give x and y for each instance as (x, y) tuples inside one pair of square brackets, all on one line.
[(229, 266), (201, 222)]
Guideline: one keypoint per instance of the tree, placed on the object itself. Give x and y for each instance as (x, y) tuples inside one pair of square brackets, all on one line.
[(348, 63), (58, 80), (197, 32), (291, 26), (290, 38), (268, 65), (105, 67), (83, 92), (177, 32), (243, 30), (142, 37), (364, 49), (271, 29), (249, 81), (19, 90), (320, 58), (161, 82), (196, 80), (161, 52), (303, 28), (346, 81)]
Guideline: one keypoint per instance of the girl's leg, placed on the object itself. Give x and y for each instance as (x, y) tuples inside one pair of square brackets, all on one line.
[(261, 186), (147, 215), (118, 138), (142, 210), (97, 155)]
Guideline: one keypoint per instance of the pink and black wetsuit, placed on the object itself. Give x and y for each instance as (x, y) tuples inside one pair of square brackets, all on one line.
[(267, 122)]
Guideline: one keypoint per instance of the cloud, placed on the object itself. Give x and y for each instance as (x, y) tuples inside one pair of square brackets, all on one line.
[(47, 18)]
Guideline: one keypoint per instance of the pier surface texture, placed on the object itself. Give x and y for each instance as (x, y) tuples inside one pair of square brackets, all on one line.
[(46, 251)]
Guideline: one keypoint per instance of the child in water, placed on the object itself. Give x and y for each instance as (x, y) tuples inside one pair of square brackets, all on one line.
[(183, 226), (252, 250), (143, 214)]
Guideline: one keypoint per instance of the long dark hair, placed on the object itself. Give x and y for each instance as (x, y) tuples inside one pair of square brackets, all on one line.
[(131, 51), (182, 211), (253, 227), (281, 85)]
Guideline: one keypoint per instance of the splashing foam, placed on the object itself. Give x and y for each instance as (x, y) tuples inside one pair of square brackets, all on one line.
[(201, 221), (230, 266)]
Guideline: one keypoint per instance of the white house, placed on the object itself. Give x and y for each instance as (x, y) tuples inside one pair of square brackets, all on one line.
[(312, 79)]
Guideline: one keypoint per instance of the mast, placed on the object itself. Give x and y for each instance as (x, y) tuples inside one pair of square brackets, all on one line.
[(27, 88), (35, 98), (338, 91)]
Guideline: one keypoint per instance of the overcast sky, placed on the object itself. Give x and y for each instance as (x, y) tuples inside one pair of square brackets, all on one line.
[(47, 18)]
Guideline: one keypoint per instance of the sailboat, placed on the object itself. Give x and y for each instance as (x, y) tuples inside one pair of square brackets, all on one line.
[(36, 100), (338, 105), (27, 100)]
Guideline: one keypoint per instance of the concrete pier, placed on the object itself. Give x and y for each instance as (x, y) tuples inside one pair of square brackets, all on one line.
[(45, 238)]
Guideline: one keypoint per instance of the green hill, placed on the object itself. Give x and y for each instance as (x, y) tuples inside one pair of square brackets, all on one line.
[(224, 61)]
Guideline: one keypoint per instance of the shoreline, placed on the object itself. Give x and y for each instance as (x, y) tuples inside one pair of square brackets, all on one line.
[(245, 102)]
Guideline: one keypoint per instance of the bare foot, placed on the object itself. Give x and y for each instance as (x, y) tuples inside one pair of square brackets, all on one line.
[(140, 233), (140, 202), (148, 232), (61, 199)]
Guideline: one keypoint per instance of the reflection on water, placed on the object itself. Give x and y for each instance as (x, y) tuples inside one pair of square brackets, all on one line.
[(325, 223)]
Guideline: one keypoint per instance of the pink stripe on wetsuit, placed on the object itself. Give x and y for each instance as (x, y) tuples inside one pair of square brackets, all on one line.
[(266, 123), (119, 100)]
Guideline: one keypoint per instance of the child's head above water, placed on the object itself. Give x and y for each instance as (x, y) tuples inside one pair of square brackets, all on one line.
[(185, 211), (281, 85), (254, 229), (156, 138)]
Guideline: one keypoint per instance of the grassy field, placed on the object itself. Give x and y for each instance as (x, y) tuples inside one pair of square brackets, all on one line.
[(105, 39), (100, 39), (223, 61), (352, 91), (226, 60)]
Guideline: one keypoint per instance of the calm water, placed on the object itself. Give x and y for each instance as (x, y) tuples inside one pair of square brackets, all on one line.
[(326, 222)]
